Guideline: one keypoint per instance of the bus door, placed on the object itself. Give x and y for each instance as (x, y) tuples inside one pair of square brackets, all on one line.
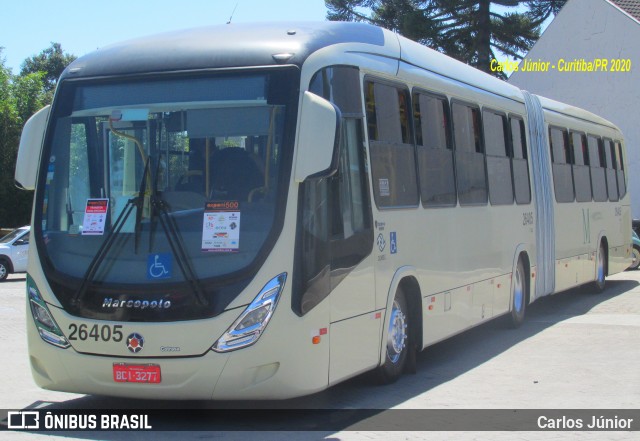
[(334, 262), (354, 327)]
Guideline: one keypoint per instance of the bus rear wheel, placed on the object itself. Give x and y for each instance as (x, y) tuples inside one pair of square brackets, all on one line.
[(397, 344), (519, 290), (601, 269)]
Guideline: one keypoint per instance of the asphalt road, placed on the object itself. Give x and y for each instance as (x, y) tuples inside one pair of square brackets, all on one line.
[(576, 350)]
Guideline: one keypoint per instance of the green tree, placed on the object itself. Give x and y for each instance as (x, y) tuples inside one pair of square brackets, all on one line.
[(473, 31), (20, 97), (52, 61)]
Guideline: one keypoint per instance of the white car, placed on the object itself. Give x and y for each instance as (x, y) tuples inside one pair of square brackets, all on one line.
[(14, 252)]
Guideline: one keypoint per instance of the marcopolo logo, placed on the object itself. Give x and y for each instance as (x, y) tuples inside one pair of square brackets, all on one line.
[(109, 302)]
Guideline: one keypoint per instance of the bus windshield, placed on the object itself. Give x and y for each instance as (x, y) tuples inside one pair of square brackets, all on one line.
[(163, 181)]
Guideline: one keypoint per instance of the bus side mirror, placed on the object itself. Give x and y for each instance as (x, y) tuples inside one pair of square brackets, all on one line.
[(30, 147), (318, 138)]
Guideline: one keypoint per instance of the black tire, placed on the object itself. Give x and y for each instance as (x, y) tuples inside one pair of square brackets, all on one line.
[(397, 343), (601, 269), (519, 295), (635, 253), (4, 270)]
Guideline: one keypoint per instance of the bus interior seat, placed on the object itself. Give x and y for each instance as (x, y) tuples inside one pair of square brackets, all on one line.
[(193, 181), (184, 200), (235, 175)]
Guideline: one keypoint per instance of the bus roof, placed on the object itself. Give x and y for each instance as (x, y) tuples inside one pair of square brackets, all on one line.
[(267, 44), (222, 46), (574, 112)]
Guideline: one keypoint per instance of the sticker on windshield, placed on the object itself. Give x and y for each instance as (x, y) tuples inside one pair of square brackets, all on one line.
[(221, 227), (159, 265), (95, 217)]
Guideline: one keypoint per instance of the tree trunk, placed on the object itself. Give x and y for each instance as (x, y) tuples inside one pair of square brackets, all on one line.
[(484, 36)]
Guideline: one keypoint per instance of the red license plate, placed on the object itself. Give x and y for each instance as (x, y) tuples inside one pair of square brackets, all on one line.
[(136, 373)]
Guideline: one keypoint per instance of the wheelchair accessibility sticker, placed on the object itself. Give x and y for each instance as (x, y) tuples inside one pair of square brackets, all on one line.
[(159, 266), (393, 242)]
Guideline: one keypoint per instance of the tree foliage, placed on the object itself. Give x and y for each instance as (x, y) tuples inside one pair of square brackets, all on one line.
[(473, 31), (20, 97), (51, 61)]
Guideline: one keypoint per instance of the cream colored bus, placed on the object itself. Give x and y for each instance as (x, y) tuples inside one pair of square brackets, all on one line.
[(263, 211)]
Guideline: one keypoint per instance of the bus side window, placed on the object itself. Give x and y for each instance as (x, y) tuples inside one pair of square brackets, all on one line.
[(470, 163), (434, 150), (581, 181), (598, 179), (498, 162), (622, 182), (561, 164), (519, 161), (393, 168), (610, 162)]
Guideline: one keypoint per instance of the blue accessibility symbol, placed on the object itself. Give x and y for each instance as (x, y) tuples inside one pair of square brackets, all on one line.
[(159, 266), (393, 242)]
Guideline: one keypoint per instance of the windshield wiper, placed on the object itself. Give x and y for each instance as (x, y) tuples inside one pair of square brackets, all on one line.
[(168, 225), (102, 252), (158, 205)]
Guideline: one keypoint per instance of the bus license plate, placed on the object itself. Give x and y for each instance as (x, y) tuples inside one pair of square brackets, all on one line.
[(136, 373)]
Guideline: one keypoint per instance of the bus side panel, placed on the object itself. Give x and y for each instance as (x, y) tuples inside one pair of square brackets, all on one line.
[(445, 314), (620, 253), (501, 295), (354, 346), (355, 327)]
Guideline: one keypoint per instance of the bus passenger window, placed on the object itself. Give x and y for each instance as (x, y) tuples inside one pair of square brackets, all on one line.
[(581, 180), (596, 168), (561, 158), (498, 162), (622, 182), (434, 150), (610, 162), (393, 166), (519, 161), (470, 163)]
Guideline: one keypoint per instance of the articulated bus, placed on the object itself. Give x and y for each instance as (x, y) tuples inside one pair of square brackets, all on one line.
[(263, 211)]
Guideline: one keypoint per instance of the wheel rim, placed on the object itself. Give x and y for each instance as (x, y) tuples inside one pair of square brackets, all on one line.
[(636, 258), (396, 340), (518, 291), (3, 271)]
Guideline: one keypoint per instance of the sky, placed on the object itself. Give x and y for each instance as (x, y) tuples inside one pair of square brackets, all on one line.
[(81, 26)]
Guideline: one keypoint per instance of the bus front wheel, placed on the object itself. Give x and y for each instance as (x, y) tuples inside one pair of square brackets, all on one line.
[(396, 344)]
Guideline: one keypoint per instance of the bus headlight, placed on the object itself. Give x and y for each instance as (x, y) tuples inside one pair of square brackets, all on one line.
[(248, 328), (47, 327)]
